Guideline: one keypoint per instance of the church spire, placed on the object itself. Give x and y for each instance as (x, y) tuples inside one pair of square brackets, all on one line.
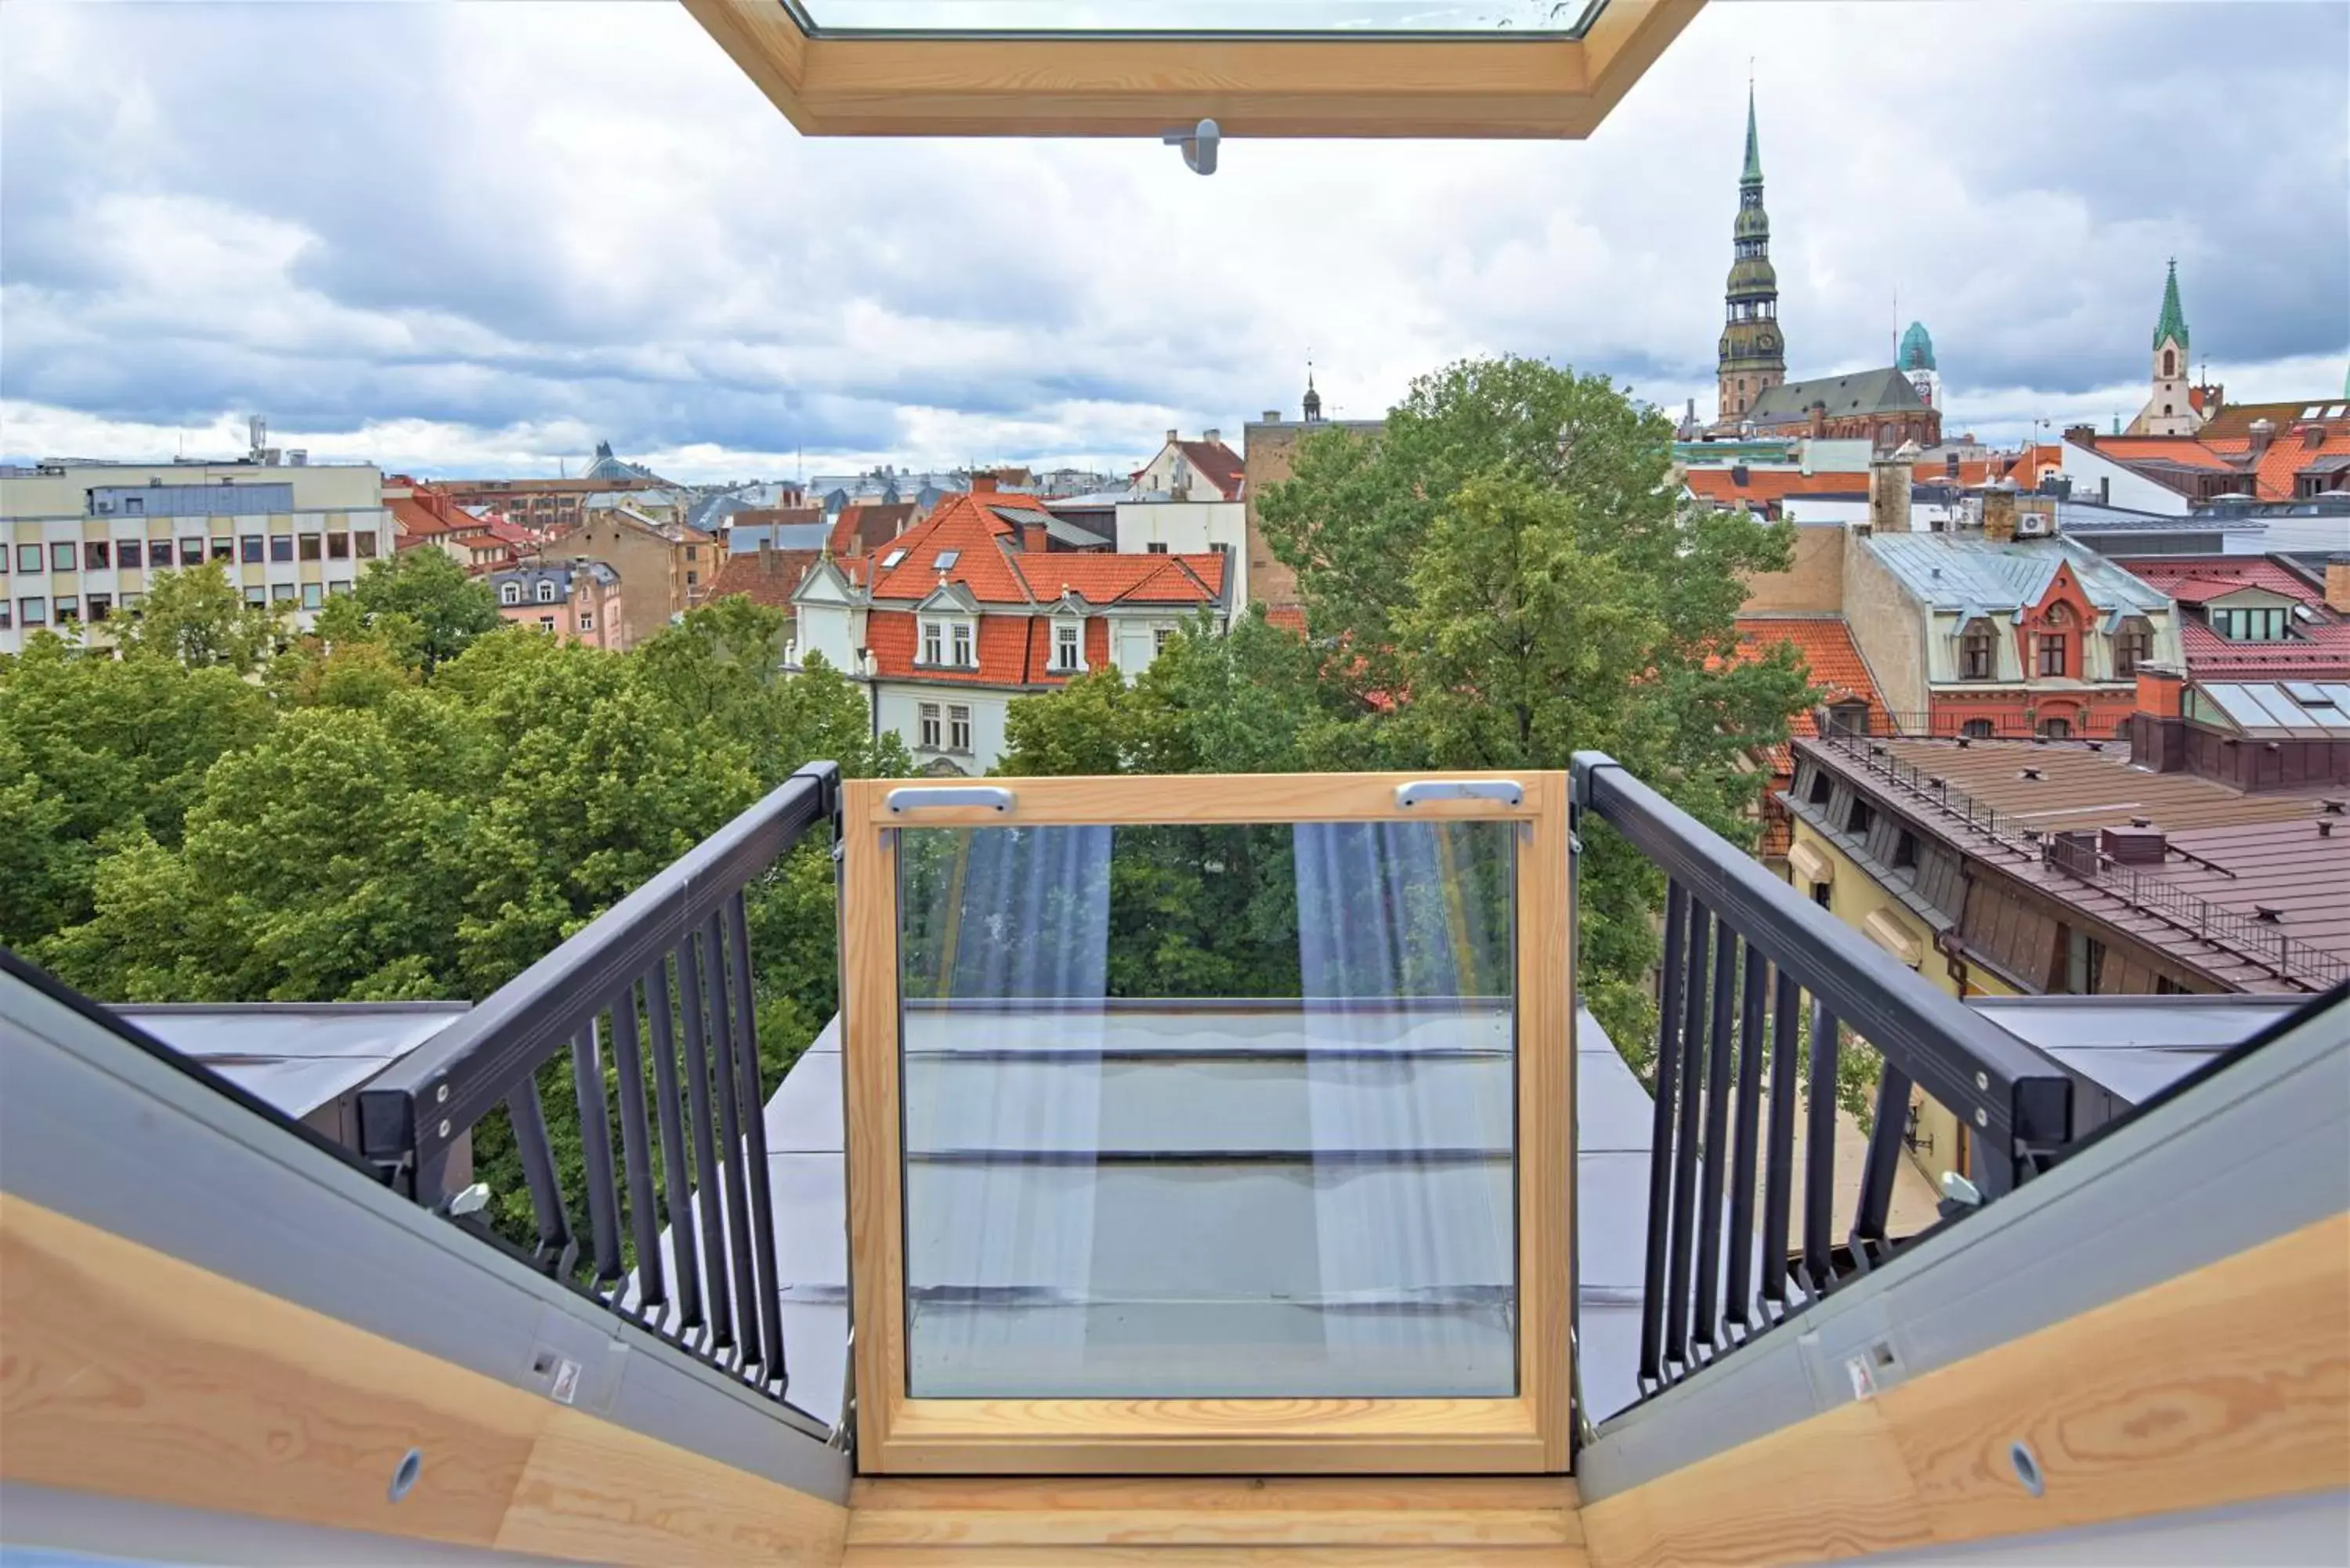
[(2173, 322), (1754, 174), (1753, 355)]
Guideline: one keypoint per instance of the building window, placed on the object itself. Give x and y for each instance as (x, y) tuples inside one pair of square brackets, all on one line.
[(2052, 653), (68, 607), (309, 546), (281, 593), (959, 728), (1065, 648), (963, 646), (224, 551), (62, 558), (2170, 368), (1859, 817), (101, 605), (7, 615), (929, 726), (587, 622), (281, 546), (1976, 654), (95, 556), (545, 591), (692, 553), (1821, 788), (691, 579), (1979, 729), (1848, 718), (1154, 548), (191, 552), (509, 593), (546, 624), (2263, 624), (1823, 894), (32, 612), (311, 596), (363, 542), (1905, 851), (2084, 963), (249, 548), (341, 588), (126, 555), (933, 642), (2056, 729), (2133, 647), (1161, 636), (159, 554), (29, 557), (255, 594), (135, 506), (339, 546)]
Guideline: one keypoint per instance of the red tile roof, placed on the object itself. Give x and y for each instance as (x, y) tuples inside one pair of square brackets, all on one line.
[(1217, 463), (1826, 646), (2184, 450), (767, 576), (2318, 651), (865, 529), (989, 564)]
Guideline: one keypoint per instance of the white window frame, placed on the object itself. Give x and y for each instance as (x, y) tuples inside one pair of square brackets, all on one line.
[(1068, 647), (1160, 636), (959, 729), (510, 593), (545, 591), (965, 640), (926, 717), (934, 641)]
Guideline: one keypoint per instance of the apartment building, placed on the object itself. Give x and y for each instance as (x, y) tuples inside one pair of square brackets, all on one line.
[(665, 568), (578, 601), (1269, 448), (983, 602), (83, 538)]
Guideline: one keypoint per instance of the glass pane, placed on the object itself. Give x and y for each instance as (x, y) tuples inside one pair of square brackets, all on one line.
[(1547, 17), (1209, 1112)]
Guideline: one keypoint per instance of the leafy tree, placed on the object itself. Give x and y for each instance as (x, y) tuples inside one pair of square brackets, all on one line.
[(197, 617), (446, 609)]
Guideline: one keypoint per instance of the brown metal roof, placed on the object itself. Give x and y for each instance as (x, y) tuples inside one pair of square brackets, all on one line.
[(2287, 866), (2081, 788)]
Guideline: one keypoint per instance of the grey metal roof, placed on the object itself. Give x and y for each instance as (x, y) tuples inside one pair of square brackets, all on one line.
[(2133, 1047), (297, 1056), (804, 1173), (1969, 573), (1883, 391), (781, 536)]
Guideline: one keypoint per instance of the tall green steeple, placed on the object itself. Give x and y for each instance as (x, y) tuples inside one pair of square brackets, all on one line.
[(2173, 322), (1752, 357), (1753, 148)]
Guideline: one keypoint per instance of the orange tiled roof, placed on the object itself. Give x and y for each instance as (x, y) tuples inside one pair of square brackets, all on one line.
[(1826, 646), (1217, 463), (767, 576), (1769, 485), (864, 529), (2184, 450)]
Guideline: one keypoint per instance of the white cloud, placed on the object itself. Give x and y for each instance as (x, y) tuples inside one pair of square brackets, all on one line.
[(486, 236)]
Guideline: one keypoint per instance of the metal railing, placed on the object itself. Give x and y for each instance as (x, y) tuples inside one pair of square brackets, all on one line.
[(2255, 938), (653, 1001), (1869, 752), (1969, 727), (1758, 989)]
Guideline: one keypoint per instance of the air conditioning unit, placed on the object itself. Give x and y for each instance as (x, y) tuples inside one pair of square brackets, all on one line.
[(2033, 525)]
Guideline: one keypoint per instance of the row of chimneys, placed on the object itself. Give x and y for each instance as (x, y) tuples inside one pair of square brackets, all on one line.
[(1889, 482)]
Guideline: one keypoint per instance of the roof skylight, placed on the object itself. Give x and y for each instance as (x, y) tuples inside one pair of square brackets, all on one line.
[(947, 559), (890, 562)]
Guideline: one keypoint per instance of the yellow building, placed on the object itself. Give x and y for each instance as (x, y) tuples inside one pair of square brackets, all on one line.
[(82, 538)]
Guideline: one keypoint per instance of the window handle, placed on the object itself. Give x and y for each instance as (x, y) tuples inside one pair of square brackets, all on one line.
[(938, 797), (1422, 791)]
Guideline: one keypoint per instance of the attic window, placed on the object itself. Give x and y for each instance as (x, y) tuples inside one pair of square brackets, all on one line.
[(890, 561), (946, 559)]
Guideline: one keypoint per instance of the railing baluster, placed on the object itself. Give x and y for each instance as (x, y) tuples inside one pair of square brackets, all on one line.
[(707, 1183), (1884, 1158), (724, 1038), (637, 1150), (557, 1246), (1685, 1137), (1751, 1048), (667, 1094), (1717, 1136), (1819, 1149), (1660, 1134), (754, 1111), (596, 1150), (1779, 1167)]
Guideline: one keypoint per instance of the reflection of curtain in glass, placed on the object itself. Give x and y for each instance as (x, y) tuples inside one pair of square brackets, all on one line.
[(1006, 1222), (1414, 1225)]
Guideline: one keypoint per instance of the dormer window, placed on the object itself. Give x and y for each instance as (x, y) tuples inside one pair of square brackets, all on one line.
[(934, 634), (963, 657), (2133, 646), (510, 593), (1068, 648), (2258, 623), (545, 591), (1978, 652)]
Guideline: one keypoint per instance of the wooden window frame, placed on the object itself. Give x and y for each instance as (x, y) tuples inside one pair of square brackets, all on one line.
[(844, 82), (1526, 1433)]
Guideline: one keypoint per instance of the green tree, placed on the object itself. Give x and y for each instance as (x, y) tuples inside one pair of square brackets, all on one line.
[(198, 617), (444, 609)]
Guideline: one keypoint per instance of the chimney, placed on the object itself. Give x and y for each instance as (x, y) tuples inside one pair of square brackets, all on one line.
[(1889, 490), (2157, 731), (1174, 436), (1212, 437), (1033, 539), (1272, 416), (1998, 513), (767, 556), (2313, 436), (1819, 421), (2133, 846), (2081, 435), (983, 484), (2337, 584), (2263, 432)]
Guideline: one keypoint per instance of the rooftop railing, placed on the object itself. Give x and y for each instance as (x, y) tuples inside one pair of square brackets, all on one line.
[(1762, 993), (653, 1002), (2258, 940)]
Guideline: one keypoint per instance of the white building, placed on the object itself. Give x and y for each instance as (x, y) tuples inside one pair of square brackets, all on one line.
[(83, 538), (1152, 525)]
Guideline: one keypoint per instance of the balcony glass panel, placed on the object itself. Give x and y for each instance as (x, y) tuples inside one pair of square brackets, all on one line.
[(1210, 1112), (1545, 17)]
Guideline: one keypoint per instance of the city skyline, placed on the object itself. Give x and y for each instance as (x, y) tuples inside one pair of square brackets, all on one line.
[(514, 234)]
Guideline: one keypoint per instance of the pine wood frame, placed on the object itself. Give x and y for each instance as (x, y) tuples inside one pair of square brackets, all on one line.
[(896, 1434), (1448, 85)]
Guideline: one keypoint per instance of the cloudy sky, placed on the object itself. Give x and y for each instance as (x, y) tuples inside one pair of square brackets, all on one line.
[(478, 238)]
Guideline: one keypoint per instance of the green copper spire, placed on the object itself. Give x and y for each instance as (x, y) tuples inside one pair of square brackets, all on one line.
[(2174, 320), (1753, 148)]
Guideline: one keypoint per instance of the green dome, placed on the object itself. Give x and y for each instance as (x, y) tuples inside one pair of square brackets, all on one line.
[(1917, 348), (1751, 277)]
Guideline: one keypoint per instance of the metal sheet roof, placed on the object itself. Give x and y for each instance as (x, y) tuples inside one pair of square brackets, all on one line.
[(297, 1056)]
